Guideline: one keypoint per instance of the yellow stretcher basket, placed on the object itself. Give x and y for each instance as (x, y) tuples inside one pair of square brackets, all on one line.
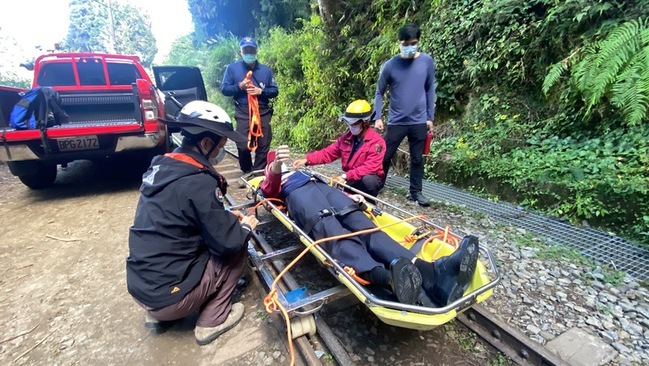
[(427, 240)]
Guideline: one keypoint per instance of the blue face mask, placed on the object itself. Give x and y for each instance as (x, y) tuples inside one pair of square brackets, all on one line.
[(218, 158), (249, 58), (408, 51), (356, 129)]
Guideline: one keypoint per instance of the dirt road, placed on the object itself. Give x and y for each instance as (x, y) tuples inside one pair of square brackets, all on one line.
[(62, 279)]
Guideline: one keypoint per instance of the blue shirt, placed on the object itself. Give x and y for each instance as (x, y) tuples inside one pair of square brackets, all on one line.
[(293, 180), (261, 77), (412, 90)]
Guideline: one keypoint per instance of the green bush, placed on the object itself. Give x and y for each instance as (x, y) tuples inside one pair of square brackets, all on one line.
[(601, 179)]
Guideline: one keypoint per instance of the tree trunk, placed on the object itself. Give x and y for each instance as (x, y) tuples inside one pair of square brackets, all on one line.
[(329, 10)]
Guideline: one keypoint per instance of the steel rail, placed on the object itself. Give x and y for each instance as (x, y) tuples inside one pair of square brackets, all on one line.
[(507, 339), (322, 329)]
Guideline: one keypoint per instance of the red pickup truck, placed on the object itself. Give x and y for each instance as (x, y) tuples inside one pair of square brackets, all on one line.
[(112, 107)]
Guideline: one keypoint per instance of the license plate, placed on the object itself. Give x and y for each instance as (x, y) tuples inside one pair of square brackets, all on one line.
[(78, 143)]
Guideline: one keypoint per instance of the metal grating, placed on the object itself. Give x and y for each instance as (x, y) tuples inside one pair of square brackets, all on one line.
[(599, 246)]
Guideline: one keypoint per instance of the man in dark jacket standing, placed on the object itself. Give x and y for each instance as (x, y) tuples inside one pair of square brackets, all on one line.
[(186, 250), (410, 77), (261, 85)]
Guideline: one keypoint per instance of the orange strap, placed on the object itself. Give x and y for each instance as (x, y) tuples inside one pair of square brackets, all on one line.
[(185, 159), (254, 130)]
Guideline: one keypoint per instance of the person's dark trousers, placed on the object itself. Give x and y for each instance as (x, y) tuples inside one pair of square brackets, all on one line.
[(370, 184), (263, 143), (363, 252), (212, 295), (416, 138)]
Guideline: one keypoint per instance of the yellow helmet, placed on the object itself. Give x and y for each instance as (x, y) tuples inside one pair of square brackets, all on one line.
[(358, 110)]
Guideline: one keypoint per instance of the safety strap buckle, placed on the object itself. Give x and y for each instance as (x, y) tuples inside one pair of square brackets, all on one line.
[(325, 212)]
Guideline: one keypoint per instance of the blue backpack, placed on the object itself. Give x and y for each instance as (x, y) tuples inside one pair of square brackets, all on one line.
[(22, 116), (35, 106)]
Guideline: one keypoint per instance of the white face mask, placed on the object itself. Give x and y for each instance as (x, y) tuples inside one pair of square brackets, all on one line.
[(356, 129), (408, 51), (218, 158)]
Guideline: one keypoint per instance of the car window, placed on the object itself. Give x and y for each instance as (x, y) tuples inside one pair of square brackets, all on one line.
[(177, 79), (122, 73), (56, 74), (91, 72)]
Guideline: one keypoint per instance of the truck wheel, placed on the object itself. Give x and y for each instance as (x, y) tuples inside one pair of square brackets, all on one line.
[(43, 178)]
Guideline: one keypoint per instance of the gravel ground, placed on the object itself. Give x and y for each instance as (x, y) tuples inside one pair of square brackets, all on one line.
[(548, 289)]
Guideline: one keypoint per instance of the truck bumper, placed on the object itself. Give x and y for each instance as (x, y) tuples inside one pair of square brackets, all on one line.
[(16, 152), (146, 141), (20, 152)]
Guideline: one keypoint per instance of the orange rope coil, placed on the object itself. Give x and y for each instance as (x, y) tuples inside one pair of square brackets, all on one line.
[(254, 130)]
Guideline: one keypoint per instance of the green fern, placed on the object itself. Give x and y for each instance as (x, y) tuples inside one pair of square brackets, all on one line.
[(615, 54), (554, 74), (614, 69), (630, 93)]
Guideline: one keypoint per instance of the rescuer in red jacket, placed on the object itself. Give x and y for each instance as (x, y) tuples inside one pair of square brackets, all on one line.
[(360, 149)]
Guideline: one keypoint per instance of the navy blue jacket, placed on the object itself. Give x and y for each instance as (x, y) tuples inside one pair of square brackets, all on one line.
[(179, 222), (261, 77)]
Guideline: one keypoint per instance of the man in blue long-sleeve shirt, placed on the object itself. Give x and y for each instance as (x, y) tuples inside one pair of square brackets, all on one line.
[(264, 87), (410, 77)]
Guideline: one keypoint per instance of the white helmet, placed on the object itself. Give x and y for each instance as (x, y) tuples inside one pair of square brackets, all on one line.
[(199, 117)]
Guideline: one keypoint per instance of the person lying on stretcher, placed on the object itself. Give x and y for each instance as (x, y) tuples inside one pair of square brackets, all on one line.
[(323, 211)]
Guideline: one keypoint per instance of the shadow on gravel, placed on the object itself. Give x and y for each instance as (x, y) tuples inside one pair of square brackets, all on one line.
[(84, 178)]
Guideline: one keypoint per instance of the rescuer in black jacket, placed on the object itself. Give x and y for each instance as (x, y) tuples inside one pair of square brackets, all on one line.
[(187, 250)]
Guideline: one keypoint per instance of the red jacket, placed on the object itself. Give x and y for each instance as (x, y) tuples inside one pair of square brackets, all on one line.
[(271, 186), (367, 160)]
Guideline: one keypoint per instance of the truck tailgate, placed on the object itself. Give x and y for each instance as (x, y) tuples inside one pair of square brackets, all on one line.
[(101, 108), (8, 98)]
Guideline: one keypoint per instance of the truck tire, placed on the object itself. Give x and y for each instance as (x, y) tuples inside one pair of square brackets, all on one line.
[(44, 177)]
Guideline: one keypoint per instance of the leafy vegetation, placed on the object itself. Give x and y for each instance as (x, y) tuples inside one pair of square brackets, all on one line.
[(10, 72), (614, 68), (112, 27), (538, 101), (215, 18)]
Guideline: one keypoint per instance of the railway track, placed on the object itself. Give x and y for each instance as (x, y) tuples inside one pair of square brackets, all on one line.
[(505, 338), (316, 335)]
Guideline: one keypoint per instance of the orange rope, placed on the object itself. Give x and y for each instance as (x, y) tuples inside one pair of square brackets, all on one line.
[(444, 237), (253, 208), (409, 239), (254, 130), (271, 301), (350, 271)]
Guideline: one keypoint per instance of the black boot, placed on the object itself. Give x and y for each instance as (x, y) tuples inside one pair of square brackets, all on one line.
[(405, 280), (446, 279)]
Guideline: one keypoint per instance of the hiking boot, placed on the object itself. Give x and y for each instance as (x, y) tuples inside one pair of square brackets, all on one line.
[(156, 326), (405, 280), (205, 335), (454, 272), (419, 198)]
